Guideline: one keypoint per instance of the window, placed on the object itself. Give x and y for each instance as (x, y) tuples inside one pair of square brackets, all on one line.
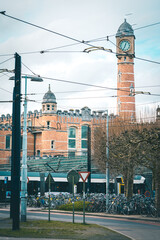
[(48, 107), (38, 153), (48, 124), (72, 138), (29, 123), (71, 154), (52, 144), (52, 107), (84, 137), (119, 105), (119, 76), (43, 107), (84, 153), (8, 141)]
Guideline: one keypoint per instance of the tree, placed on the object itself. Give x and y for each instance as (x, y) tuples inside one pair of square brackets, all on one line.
[(129, 147)]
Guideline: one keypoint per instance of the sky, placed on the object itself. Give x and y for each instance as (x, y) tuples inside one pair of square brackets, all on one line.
[(85, 20)]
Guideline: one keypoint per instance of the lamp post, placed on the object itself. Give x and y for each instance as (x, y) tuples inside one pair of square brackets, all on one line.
[(107, 157), (24, 151)]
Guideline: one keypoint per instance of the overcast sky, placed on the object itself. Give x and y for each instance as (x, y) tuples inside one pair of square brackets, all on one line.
[(81, 20)]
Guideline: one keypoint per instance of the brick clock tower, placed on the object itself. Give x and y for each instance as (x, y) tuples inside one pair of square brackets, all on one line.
[(125, 41)]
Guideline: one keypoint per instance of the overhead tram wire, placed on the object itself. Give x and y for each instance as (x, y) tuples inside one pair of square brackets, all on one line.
[(5, 90), (78, 41), (6, 60), (146, 60), (114, 96), (48, 30), (80, 83), (29, 69), (10, 101), (83, 91), (49, 50), (84, 84), (67, 45), (113, 35), (149, 25)]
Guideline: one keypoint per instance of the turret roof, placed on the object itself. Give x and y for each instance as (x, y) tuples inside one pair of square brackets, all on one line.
[(125, 29), (49, 97)]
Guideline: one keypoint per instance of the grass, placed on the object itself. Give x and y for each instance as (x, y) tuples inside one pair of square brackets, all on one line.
[(61, 230)]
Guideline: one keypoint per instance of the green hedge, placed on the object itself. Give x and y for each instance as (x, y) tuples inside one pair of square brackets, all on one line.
[(78, 206)]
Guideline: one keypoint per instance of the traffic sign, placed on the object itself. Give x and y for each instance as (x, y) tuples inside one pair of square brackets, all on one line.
[(73, 175), (84, 175), (147, 194)]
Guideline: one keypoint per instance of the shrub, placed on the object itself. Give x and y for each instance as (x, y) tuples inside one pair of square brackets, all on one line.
[(78, 206)]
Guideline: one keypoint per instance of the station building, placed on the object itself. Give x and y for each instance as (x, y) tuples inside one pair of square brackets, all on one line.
[(55, 137)]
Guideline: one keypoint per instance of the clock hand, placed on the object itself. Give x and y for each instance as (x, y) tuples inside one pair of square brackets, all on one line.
[(124, 46)]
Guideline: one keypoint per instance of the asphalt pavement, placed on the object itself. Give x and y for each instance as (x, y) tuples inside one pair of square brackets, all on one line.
[(6, 222)]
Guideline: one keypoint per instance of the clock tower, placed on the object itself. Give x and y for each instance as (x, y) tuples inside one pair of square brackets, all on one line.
[(125, 52)]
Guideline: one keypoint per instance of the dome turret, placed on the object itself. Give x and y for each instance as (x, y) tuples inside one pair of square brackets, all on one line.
[(49, 97), (125, 29), (49, 104)]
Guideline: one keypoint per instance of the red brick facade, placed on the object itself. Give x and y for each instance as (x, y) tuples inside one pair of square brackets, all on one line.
[(48, 132), (125, 73)]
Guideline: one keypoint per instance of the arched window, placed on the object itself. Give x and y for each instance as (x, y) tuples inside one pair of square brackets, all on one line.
[(48, 124), (119, 76), (72, 137), (52, 144), (84, 137), (48, 107)]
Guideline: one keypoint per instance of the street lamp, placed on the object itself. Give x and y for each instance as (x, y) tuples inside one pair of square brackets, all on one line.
[(107, 158), (24, 150)]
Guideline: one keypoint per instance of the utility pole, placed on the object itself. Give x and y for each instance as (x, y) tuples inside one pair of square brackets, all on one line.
[(89, 159), (16, 147)]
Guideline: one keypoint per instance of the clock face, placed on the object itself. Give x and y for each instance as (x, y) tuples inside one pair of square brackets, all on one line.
[(125, 45)]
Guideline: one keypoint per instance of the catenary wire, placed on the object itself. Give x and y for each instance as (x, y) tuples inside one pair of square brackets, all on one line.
[(7, 60), (48, 30), (80, 42)]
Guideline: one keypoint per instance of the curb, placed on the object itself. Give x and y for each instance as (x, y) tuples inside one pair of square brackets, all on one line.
[(128, 217)]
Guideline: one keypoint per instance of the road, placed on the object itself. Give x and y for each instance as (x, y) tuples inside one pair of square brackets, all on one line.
[(136, 229)]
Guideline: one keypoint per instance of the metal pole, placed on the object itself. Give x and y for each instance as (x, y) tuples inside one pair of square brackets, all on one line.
[(73, 196), (107, 166), (12, 154), (89, 159), (17, 146), (49, 206), (83, 202), (24, 161)]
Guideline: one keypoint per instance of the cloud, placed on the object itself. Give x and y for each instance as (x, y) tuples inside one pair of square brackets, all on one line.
[(82, 20)]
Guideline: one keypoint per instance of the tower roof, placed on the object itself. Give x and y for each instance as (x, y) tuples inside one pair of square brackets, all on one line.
[(49, 97), (125, 29)]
